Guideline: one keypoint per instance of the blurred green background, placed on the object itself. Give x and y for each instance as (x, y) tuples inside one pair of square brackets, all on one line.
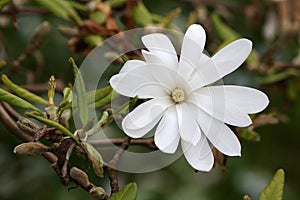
[(276, 41)]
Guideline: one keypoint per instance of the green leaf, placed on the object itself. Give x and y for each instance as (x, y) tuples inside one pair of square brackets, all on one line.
[(24, 94), (95, 157), (128, 192), (141, 15), (93, 40), (116, 3), (125, 107), (274, 190), (3, 3), (104, 101), (80, 98), (97, 95), (249, 135), (53, 124), (223, 31), (98, 16), (17, 101), (61, 8), (273, 78)]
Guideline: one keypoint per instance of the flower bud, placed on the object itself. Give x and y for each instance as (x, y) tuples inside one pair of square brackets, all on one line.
[(31, 148), (97, 193)]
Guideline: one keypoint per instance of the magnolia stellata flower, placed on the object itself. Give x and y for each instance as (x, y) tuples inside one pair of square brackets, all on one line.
[(183, 102)]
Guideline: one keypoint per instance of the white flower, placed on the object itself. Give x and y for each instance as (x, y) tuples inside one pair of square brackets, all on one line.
[(181, 101)]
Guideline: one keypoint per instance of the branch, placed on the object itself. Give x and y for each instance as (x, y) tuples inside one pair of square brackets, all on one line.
[(76, 175), (149, 142), (111, 167)]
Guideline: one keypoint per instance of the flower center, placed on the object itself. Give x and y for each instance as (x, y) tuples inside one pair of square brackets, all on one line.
[(178, 95)]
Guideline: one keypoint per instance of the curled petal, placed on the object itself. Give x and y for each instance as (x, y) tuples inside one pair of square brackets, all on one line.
[(167, 136), (161, 46), (199, 156)]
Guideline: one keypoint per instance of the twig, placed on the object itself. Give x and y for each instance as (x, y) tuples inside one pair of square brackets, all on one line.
[(149, 142), (111, 168), (12, 113), (12, 126)]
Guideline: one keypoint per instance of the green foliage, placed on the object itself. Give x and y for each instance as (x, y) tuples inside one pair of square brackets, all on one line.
[(141, 15), (274, 190), (61, 8), (95, 158), (128, 192), (81, 100), (24, 94), (17, 101), (99, 94), (3, 3), (53, 124)]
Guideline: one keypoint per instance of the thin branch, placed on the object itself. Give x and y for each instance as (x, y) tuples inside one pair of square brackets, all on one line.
[(149, 142), (111, 168), (13, 128)]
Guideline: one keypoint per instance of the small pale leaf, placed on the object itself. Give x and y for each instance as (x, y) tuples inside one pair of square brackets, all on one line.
[(95, 157), (128, 192), (80, 97), (274, 190)]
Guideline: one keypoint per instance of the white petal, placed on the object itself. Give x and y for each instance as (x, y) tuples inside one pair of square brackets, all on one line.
[(188, 127), (145, 81), (216, 104), (167, 136), (247, 99), (131, 64), (220, 135), (199, 156), (205, 73), (232, 56), (150, 57), (191, 51), (148, 113), (161, 46)]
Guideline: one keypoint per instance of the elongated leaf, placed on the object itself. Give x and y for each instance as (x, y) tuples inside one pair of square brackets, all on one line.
[(128, 192), (273, 78), (16, 101), (141, 15), (223, 31), (274, 190), (60, 8), (97, 95), (125, 107), (53, 124), (21, 92), (104, 101), (80, 99), (95, 157)]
